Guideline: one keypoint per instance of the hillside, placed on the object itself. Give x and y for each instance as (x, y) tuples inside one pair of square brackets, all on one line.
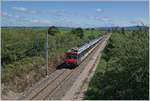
[(123, 71)]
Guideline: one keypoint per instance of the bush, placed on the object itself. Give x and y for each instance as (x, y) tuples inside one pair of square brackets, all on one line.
[(91, 37), (20, 68), (126, 75), (23, 50), (53, 30), (79, 32)]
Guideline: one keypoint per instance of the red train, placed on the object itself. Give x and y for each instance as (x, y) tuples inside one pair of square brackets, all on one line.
[(76, 55)]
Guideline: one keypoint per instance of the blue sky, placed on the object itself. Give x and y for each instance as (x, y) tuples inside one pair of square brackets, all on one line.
[(74, 14)]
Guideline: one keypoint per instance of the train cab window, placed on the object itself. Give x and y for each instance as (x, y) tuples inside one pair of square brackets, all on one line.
[(71, 56)]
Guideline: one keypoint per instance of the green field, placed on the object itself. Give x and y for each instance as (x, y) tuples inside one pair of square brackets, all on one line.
[(123, 71), (23, 53)]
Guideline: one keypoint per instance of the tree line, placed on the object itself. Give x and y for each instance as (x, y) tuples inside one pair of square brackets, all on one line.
[(123, 71)]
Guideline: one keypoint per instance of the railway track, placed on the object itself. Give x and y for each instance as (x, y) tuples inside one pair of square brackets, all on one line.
[(57, 83)]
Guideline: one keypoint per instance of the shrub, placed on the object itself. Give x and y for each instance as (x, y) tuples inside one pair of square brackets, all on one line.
[(53, 30), (126, 75), (79, 32)]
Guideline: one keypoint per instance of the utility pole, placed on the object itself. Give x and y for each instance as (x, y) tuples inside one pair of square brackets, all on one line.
[(46, 52)]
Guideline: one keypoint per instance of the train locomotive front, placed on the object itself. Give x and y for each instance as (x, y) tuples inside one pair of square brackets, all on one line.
[(76, 55), (71, 58)]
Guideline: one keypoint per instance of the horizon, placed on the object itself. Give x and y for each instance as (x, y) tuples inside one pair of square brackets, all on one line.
[(74, 14), (77, 27)]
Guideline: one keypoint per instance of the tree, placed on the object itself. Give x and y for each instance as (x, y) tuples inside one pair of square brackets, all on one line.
[(52, 30), (92, 28), (122, 30), (125, 73), (91, 37), (78, 31)]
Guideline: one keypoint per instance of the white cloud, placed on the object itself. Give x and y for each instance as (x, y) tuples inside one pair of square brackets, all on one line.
[(25, 10), (104, 19), (3, 14), (6, 14), (34, 21), (22, 9), (17, 16), (137, 22), (40, 21), (45, 21), (99, 10), (56, 11), (35, 11)]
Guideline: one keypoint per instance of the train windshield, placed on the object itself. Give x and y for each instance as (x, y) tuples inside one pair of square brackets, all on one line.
[(71, 56)]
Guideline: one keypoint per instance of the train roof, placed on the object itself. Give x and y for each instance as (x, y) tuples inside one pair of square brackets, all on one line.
[(84, 47)]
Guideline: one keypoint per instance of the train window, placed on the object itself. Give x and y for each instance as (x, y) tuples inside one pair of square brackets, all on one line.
[(71, 56)]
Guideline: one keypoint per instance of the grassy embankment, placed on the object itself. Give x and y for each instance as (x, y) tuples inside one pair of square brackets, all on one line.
[(123, 71), (23, 53)]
